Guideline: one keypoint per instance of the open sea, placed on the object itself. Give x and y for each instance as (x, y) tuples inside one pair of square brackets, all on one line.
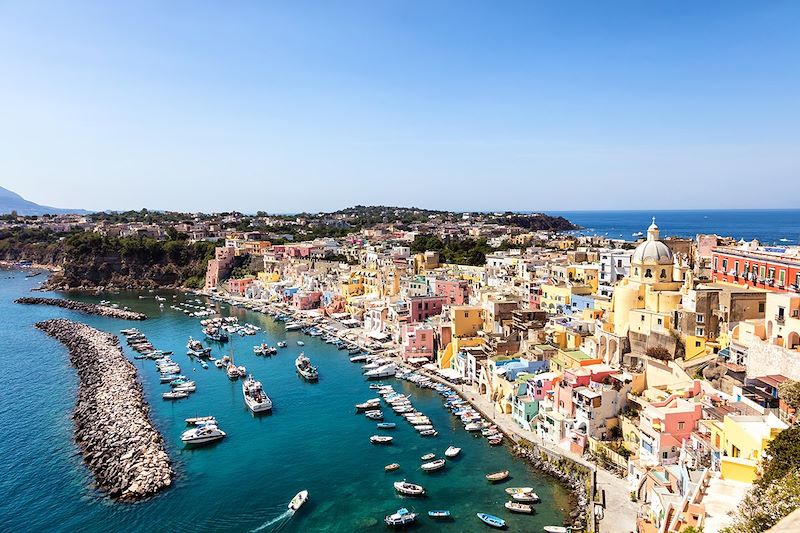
[(313, 440), (770, 226)]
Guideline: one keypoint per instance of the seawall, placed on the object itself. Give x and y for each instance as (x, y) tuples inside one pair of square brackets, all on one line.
[(91, 309), (120, 445)]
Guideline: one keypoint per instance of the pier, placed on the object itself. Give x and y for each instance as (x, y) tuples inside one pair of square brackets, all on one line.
[(123, 450), (90, 309)]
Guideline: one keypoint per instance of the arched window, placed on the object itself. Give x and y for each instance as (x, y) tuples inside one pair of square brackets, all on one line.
[(648, 273), (636, 271), (663, 273)]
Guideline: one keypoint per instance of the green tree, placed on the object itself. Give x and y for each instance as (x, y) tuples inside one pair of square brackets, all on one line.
[(789, 392)]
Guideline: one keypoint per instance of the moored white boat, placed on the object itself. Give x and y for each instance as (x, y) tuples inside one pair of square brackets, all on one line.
[(452, 451), (254, 396), (431, 466), (202, 434), (409, 489), (381, 439)]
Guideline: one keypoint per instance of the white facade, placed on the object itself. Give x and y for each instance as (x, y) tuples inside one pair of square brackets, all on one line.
[(614, 265)]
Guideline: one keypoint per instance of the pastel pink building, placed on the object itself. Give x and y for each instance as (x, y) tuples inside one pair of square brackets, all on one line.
[(423, 307), (306, 300), (541, 384), (664, 426), (417, 341), (239, 286), (575, 378), (456, 291)]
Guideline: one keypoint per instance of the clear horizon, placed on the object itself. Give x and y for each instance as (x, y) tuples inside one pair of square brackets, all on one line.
[(314, 107)]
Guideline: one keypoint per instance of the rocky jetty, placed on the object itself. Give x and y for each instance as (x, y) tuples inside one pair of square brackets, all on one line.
[(566, 472), (125, 453), (92, 309)]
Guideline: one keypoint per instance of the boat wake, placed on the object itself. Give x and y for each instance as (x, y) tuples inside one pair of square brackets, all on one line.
[(281, 520)]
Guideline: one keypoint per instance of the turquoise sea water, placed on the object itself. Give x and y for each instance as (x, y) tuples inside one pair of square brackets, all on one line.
[(313, 440)]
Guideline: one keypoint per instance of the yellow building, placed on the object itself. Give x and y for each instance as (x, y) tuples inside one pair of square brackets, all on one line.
[(465, 321), (269, 277), (557, 297), (741, 442), (566, 359)]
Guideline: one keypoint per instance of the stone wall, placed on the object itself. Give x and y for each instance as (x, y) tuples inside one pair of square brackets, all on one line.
[(764, 359)]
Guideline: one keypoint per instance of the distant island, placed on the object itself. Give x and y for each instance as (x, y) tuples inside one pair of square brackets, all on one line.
[(11, 202)]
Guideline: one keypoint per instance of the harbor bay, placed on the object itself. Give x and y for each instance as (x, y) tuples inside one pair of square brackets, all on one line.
[(312, 440)]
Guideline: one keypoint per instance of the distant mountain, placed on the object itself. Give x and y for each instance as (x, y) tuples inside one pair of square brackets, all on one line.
[(11, 201)]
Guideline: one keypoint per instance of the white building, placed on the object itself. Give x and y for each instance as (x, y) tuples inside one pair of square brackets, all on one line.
[(614, 265)]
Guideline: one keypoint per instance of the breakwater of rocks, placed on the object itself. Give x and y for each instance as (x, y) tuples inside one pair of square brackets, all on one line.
[(92, 309), (125, 453), (575, 476)]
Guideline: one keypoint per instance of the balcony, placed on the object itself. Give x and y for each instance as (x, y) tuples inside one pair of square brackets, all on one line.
[(780, 319)]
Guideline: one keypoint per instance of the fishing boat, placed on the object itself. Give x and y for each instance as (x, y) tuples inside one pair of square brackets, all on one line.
[(175, 395), (232, 371), (516, 507), (402, 517), (525, 497), (305, 369), (452, 451), (428, 456), (381, 439), (386, 425), (432, 466), (494, 477), (391, 467), (195, 420), (202, 434), (439, 513), (299, 499), (242, 371), (219, 363), (409, 489), (254, 396), (491, 520)]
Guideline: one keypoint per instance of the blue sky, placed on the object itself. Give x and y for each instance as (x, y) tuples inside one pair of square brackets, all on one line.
[(457, 105)]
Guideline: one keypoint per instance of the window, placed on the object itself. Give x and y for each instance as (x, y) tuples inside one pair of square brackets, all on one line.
[(771, 274), (762, 271), (680, 425), (664, 455), (700, 318), (760, 307), (663, 273), (725, 266), (782, 277), (715, 263), (699, 332), (619, 263), (649, 273), (642, 318), (660, 321)]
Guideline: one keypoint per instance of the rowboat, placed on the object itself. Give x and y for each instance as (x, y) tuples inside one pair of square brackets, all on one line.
[(299, 499), (452, 451), (494, 477), (409, 489), (516, 507), (556, 529), (386, 425), (491, 520), (440, 513), (428, 456), (380, 439), (374, 415), (391, 467)]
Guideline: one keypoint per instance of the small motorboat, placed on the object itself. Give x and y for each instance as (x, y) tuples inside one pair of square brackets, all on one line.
[(432, 466), (301, 343), (495, 477), (452, 451), (195, 420), (429, 433), (428, 456), (409, 489), (518, 490), (299, 499), (175, 395), (439, 513), (368, 405), (374, 415), (281, 344), (202, 434), (401, 518), (556, 529), (391, 467), (381, 439), (516, 507), (386, 425), (495, 440), (525, 497), (491, 520)]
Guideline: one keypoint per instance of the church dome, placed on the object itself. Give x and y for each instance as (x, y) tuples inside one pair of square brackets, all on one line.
[(652, 251)]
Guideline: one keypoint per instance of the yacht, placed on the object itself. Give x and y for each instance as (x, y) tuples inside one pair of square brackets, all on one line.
[(202, 434), (254, 396), (304, 368), (384, 371)]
